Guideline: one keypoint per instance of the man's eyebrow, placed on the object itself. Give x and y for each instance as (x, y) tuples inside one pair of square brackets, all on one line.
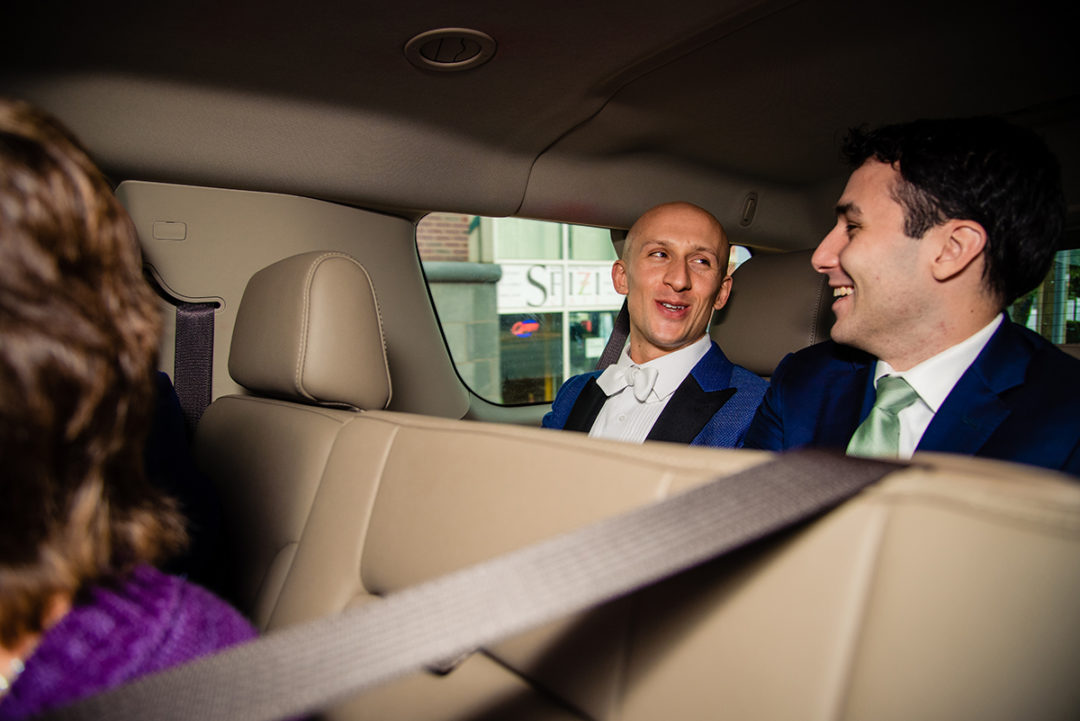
[(848, 209), (666, 244), (702, 248)]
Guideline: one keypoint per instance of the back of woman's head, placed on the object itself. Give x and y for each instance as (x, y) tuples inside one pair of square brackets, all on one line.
[(78, 336)]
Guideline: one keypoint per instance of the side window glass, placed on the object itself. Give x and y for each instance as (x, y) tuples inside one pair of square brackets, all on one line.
[(524, 304), (739, 255), (1050, 310)]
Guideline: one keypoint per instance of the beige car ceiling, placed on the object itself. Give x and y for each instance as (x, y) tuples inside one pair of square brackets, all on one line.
[(586, 112)]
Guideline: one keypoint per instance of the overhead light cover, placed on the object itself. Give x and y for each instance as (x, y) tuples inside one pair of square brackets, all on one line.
[(450, 49)]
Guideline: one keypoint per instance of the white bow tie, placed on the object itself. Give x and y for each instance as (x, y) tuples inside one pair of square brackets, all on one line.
[(615, 378)]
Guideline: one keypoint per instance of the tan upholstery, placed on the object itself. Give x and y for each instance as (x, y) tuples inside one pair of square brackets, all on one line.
[(947, 592), (778, 305), (308, 328)]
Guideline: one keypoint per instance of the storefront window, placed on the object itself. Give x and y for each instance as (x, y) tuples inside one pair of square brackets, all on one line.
[(1051, 309), (523, 304)]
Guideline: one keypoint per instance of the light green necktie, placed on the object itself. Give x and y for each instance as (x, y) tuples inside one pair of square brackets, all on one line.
[(879, 434)]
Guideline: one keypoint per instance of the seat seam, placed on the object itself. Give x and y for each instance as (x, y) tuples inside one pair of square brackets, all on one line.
[(601, 446), (379, 476), (298, 541), (1033, 516), (869, 565)]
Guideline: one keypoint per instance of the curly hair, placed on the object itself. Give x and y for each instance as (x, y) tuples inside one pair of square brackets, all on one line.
[(79, 329), (984, 169)]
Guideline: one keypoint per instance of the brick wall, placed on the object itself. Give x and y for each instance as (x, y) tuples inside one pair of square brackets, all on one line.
[(444, 237)]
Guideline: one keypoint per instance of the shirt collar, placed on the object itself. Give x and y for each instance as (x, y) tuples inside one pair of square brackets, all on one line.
[(934, 378), (672, 368)]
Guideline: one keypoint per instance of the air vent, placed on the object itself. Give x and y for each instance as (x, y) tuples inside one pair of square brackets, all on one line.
[(450, 49)]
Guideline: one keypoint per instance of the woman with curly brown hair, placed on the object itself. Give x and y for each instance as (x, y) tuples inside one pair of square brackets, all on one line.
[(81, 606)]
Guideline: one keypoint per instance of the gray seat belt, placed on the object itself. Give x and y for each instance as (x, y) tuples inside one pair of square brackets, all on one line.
[(616, 340), (303, 668), (193, 366), (619, 333)]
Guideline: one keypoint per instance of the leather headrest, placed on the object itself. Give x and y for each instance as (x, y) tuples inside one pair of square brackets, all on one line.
[(308, 329), (778, 305)]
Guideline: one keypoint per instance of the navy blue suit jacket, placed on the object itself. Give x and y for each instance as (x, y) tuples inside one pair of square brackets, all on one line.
[(712, 407), (1018, 401)]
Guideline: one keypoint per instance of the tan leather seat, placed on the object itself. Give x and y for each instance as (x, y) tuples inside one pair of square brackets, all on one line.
[(307, 330), (946, 592), (778, 305)]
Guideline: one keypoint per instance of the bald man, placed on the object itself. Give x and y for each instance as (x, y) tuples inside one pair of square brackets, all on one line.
[(671, 383)]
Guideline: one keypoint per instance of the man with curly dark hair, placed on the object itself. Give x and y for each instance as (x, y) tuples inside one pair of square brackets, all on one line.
[(942, 225)]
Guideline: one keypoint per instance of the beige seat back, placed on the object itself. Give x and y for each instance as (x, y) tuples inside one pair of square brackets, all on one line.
[(778, 305), (948, 591), (307, 330)]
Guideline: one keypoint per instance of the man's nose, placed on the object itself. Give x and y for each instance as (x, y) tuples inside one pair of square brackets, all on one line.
[(827, 255), (678, 276)]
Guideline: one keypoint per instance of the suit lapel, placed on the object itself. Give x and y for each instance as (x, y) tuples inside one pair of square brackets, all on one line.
[(586, 408), (849, 395), (974, 409), (689, 409), (702, 393), (967, 418)]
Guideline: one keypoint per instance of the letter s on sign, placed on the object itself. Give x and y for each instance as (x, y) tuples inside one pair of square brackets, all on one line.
[(533, 281)]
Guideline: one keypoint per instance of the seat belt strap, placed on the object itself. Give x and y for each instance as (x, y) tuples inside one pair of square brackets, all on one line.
[(297, 670), (617, 339), (193, 367)]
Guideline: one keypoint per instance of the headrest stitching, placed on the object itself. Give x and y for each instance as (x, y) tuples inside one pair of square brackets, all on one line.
[(382, 335), (302, 349)]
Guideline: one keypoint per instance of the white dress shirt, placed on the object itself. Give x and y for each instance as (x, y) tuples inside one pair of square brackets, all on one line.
[(933, 380), (623, 417)]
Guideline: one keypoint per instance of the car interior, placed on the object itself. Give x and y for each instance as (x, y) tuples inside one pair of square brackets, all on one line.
[(278, 159)]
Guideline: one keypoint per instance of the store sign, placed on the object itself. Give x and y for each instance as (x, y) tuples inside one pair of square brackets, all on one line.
[(534, 287), (525, 328)]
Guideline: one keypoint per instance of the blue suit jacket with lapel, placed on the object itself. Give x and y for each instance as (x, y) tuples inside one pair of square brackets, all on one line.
[(712, 407), (1018, 401)]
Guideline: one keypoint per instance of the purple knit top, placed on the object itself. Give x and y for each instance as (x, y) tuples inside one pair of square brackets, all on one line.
[(148, 623)]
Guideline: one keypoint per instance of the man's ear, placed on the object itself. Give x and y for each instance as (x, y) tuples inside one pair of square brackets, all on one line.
[(961, 244), (618, 278), (723, 294)]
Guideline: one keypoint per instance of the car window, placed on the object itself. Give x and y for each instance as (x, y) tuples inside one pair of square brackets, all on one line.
[(1050, 310), (523, 304)]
